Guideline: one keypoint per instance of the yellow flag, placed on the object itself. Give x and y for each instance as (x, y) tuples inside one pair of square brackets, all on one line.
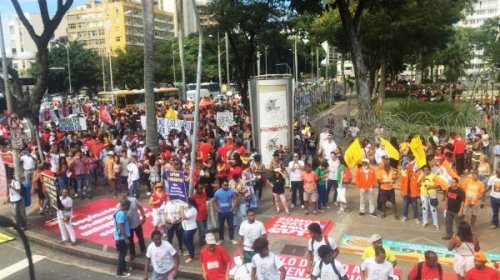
[(391, 151), (418, 151), (171, 114), (353, 154)]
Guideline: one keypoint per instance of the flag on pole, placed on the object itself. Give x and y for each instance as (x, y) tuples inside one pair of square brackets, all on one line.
[(353, 154), (104, 115), (392, 152), (417, 149)]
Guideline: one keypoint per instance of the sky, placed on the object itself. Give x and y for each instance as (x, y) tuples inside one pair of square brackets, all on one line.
[(29, 6)]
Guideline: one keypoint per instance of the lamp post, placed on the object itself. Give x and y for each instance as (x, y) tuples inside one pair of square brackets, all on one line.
[(69, 64), (227, 61)]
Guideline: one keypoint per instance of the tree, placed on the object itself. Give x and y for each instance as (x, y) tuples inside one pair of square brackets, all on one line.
[(456, 56), (29, 105), (128, 68), (149, 42)]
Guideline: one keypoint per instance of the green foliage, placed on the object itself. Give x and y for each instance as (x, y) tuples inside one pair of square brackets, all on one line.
[(457, 55), (128, 69)]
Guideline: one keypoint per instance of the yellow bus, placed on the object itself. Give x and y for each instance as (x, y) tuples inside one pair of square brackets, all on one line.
[(135, 98)]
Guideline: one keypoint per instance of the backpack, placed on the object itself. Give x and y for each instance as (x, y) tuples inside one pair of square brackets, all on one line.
[(419, 271), (22, 191), (346, 176), (325, 238), (333, 266)]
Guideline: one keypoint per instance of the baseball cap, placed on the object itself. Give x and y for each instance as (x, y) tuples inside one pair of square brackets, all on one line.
[(375, 238), (480, 256), (210, 239)]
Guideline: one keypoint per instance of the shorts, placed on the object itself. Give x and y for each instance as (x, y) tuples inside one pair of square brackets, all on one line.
[(311, 196), (470, 209), (247, 256), (162, 276), (387, 195)]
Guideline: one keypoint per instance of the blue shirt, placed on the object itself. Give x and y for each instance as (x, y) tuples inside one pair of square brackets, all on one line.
[(120, 217), (224, 199)]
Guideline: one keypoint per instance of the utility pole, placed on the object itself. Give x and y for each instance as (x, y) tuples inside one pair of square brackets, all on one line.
[(219, 63), (265, 58), (8, 97), (227, 61), (296, 61), (180, 36), (258, 63), (173, 60)]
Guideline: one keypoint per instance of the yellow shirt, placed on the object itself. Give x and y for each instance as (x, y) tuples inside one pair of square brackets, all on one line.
[(473, 191), (370, 252)]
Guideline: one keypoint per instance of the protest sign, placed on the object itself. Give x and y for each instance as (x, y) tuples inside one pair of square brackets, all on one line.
[(50, 182), (295, 226), (164, 125), (225, 120), (176, 186), (72, 124)]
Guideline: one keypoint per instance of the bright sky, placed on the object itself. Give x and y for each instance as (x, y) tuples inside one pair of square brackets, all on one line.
[(29, 6)]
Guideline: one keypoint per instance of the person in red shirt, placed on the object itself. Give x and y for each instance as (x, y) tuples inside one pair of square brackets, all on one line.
[(200, 197), (459, 153), (215, 261), (205, 150), (157, 199), (430, 269), (480, 270)]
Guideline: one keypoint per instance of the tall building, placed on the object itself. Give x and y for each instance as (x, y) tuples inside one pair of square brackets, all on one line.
[(482, 10), (189, 18), (23, 48), (115, 25)]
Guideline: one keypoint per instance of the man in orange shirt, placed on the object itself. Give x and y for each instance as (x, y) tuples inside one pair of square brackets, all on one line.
[(409, 191), (474, 189), (365, 180), (386, 179), (309, 180)]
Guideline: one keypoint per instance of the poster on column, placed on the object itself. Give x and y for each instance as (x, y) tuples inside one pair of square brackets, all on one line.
[(225, 120), (176, 186)]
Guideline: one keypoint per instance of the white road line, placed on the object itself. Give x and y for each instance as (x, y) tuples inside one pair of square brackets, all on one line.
[(6, 272)]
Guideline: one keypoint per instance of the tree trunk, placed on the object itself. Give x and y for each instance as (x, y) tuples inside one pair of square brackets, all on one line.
[(342, 72), (41, 84), (383, 80), (180, 37), (151, 130)]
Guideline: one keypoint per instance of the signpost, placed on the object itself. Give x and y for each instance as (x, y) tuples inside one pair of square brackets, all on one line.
[(16, 138)]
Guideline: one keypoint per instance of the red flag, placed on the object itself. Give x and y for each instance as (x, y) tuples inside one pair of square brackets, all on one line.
[(104, 115)]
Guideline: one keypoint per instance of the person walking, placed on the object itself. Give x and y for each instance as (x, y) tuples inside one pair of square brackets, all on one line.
[(200, 197), (29, 165), (377, 242), (64, 218), (188, 216), (328, 268), (136, 218), (429, 184), (240, 190), (215, 261), (365, 181), (315, 242), (157, 201), (224, 203), (250, 230), (133, 177), (296, 167), (465, 244), (16, 200), (454, 207), (122, 237), (265, 264), (428, 269), (494, 184), (377, 267), (173, 223), (162, 257)]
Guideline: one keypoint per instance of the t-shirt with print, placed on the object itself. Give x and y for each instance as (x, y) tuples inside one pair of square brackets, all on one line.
[(326, 272), (250, 232), (161, 256), (473, 190), (494, 183), (377, 271), (309, 179), (313, 245), (455, 199), (216, 263), (267, 268)]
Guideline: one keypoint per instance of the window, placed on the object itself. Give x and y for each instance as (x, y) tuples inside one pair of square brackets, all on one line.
[(118, 39), (14, 51)]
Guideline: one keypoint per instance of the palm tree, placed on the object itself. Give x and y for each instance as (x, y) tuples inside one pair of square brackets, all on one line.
[(151, 130)]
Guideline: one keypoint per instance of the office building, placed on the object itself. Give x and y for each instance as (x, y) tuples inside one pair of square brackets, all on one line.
[(188, 15)]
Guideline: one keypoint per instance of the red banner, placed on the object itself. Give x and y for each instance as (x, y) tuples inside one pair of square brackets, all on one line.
[(93, 222), (104, 115), (295, 226)]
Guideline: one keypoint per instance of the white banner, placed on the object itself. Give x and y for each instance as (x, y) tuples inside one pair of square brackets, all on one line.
[(164, 125), (72, 124), (225, 120)]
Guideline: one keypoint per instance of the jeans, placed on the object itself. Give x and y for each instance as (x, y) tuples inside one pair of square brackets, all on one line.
[(177, 229), (484, 179), (28, 176), (450, 218), (460, 163), (19, 212), (222, 217), (241, 210), (364, 195), (121, 247), (329, 185), (322, 199), (93, 176), (258, 188), (426, 206), (134, 189), (140, 236), (81, 181), (202, 229), (297, 187), (188, 236), (495, 206), (63, 182), (407, 201)]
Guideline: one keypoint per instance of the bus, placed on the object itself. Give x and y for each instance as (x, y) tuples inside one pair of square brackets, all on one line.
[(134, 98), (213, 88)]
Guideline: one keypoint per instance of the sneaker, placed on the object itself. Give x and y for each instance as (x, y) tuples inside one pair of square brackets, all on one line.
[(340, 211), (234, 242), (361, 213), (185, 254), (287, 212), (492, 227), (417, 221), (188, 260), (148, 193), (373, 214), (436, 228), (446, 237), (302, 206), (404, 219), (277, 210), (315, 212), (424, 225), (126, 274), (322, 211)]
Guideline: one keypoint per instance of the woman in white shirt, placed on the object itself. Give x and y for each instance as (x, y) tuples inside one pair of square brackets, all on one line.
[(188, 217)]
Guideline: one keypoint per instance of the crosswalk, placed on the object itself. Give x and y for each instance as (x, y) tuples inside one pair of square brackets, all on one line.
[(14, 268)]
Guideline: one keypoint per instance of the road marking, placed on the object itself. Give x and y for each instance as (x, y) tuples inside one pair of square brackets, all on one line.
[(6, 272)]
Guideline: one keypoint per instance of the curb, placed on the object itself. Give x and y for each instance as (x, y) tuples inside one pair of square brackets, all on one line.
[(96, 255)]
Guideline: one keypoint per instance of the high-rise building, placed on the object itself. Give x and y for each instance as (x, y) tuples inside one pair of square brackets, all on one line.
[(482, 10), (23, 48), (188, 15), (115, 25)]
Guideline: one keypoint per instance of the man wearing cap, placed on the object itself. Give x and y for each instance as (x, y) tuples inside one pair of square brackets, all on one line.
[(376, 241), (328, 268), (215, 261), (365, 180), (480, 270)]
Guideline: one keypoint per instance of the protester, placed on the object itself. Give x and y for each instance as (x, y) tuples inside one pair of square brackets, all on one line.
[(428, 269), (64, 218), (214, 259), (224, 203), (258, 169), (278, 183), (344, 177), (188, 216), (250, 230), (315, 242), (200, 198), (157, 201), (239, 188), (328, 268), (410, 192), (29, 165), (174, 224), (377, 242), (494, 184), (265, 264), (465, 244), (377, 267), (386, 178), (162, 257), (309, 179), (454, 207), (133, 177), (37, 185), (365, 181), (296, 167), (480, 271), (428, 195), (135, 223), (474, 189), (16, 200), (122, 237), (322, 175), (332, 182)]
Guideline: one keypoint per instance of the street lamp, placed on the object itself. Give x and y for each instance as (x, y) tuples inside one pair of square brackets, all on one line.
[(219, 53), (69, 63)]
